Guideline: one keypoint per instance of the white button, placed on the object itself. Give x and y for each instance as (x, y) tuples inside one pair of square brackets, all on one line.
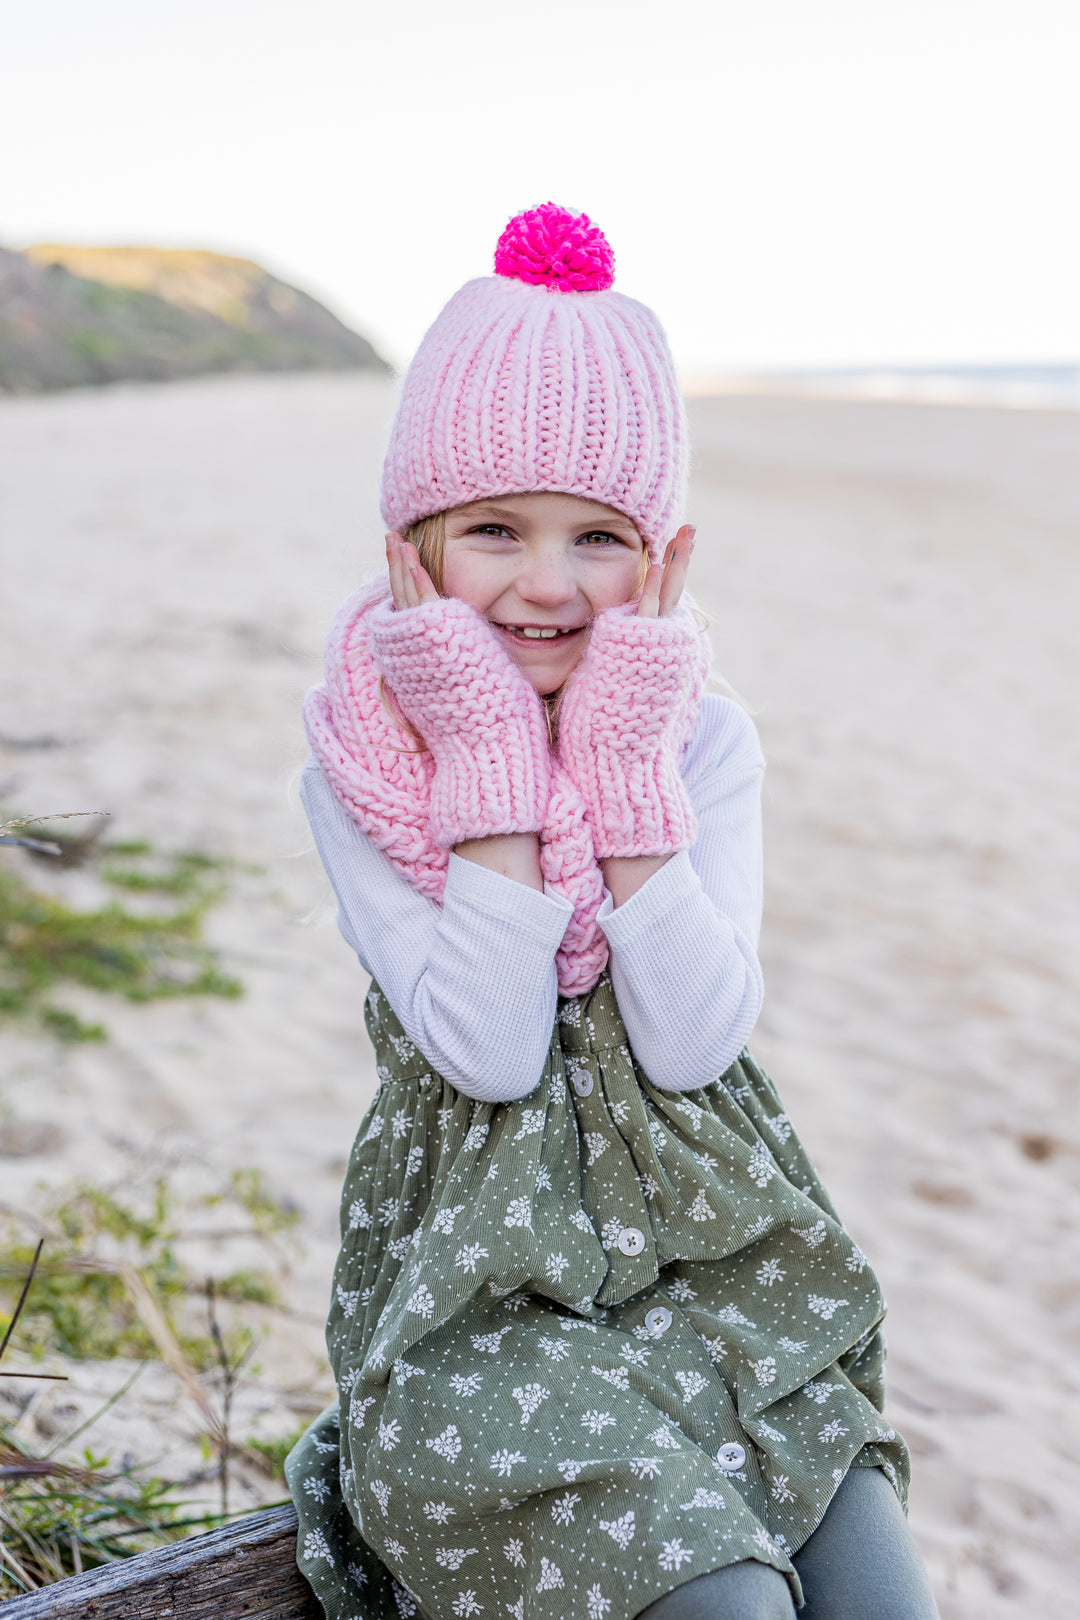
[(631, 1240), (582, 1082), (731, 1458), (658, 1320)]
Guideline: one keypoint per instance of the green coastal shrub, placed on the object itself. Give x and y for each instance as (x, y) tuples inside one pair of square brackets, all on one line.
[(139, 952), (82, 1305)]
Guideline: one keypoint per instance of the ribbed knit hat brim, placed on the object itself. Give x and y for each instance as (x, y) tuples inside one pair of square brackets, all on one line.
[(518, 388)]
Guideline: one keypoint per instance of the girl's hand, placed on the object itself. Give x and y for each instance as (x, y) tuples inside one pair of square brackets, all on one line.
[(409, 580), (666, 581), (455, 683), (626, 714)]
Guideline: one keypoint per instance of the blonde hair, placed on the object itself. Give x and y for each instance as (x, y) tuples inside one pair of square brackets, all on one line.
[(428, 535)]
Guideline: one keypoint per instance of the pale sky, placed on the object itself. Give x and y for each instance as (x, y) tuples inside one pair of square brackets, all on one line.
[(787, 182)]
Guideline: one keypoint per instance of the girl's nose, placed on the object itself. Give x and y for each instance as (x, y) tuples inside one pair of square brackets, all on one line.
[(548, 580)]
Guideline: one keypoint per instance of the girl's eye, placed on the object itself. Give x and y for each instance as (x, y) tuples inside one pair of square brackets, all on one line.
[(490, 528), (598, 537)]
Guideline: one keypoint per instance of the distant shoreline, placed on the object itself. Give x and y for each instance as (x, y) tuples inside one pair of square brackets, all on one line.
[(1030, 387)]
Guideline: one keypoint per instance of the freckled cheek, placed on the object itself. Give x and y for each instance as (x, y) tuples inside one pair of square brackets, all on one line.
[(472, 579), (613, 591)]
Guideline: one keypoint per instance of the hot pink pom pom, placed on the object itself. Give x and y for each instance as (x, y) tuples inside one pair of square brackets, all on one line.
[(551, 247)]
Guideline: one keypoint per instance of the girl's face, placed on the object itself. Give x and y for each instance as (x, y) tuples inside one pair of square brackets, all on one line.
[(540, 567)]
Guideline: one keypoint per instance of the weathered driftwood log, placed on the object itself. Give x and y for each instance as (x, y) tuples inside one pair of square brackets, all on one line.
[(247, 1569)]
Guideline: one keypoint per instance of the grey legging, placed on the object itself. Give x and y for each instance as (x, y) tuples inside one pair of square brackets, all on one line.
[(860, 1564)]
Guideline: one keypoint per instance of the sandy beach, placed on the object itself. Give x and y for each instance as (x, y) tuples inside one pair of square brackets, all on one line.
[(892, 589)]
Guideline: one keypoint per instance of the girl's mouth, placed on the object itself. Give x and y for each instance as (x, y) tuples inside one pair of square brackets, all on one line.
[(528, 635)]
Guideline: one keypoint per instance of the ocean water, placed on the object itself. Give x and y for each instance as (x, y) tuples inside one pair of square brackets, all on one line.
[(1035, 387)]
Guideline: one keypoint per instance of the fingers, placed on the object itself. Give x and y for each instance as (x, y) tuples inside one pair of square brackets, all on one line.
[(419, 579), (395, 569), (410, 582), (676, 566), (649, 605)]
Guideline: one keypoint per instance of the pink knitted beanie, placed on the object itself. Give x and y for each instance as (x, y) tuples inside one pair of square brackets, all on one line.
[(542, 378)]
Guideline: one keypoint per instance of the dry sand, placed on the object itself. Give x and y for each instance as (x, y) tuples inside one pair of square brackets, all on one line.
[(893, 590)]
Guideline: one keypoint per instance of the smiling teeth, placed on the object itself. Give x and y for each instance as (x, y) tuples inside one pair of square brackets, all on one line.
[(535, 633)]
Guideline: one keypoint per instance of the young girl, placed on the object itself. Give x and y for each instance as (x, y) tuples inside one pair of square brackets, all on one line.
[(603, 1348)]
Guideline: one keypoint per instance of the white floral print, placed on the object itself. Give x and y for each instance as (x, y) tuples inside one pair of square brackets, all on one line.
[(760, 1167), (466, 1384), (530, 1397), (504, 1462), (389, 1434), (551, 1576), (812, 1236), (833, 1430), (824, 1307), (532, 1121), (422, 1301), (470, 1256), (621, 1530), (453, 1557), (703, 1498), (518, 1213), (490, 1343), (447, 1444), (646, 1467)]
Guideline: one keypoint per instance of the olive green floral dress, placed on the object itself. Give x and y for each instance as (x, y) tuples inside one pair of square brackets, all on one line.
[(588, 1345)]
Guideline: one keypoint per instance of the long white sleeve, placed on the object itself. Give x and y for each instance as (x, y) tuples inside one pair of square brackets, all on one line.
[(474, 983), (684, 949)]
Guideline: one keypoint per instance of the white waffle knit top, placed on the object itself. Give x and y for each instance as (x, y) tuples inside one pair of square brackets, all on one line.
[(474, 983)]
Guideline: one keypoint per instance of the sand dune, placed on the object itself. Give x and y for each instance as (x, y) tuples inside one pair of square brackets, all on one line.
[(893, 591)]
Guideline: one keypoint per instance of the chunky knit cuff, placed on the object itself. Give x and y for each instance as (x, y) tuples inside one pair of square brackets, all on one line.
[(451, 678), (623, 723)]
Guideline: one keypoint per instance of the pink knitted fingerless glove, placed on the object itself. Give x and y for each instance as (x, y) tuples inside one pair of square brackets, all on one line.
[(624, 721), (484, 724)]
